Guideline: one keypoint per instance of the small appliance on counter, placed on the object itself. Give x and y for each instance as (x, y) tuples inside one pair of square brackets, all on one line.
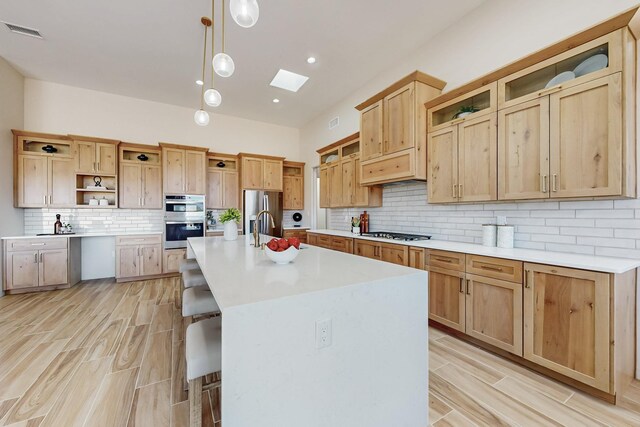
[(297, 217)]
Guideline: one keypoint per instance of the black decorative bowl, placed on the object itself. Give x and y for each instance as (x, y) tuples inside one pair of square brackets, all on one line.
[(221, 164), (297, 217), (49, 149), (143, 157)]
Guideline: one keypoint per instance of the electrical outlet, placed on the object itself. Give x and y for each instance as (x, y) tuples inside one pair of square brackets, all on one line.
[(323, 333)]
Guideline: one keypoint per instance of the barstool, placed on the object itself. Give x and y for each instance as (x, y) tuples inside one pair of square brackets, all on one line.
[(204, 357), (198, 301), (193, 278), (189, 264)]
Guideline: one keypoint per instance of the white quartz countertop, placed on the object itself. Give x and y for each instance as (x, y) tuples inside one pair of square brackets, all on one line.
[(240, 274), (302, 227), (103, 234), (583, 262)]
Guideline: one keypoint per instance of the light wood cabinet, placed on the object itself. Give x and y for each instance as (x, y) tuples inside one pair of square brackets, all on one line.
[(325, 195), (299, 234), (336, 243), (95, 155), (335, 184), (260, 172), (223, 188), (463, 161), (22, 269), (140, 181), (45, 181), (367, 249), (566, 322), (312, 239), (183, 169), (388, 252), (138, 256), (293, 185), (418, 258), (37, 263), (172, 259), (393, 127), (447, 298)]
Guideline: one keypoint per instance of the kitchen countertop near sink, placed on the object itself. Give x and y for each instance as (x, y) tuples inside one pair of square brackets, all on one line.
[(561, 259), (103, 234)]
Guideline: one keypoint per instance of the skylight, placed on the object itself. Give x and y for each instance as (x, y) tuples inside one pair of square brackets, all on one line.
[(289, 81)]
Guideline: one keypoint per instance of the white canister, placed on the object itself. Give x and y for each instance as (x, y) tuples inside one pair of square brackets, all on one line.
[(505, 236), (489, 235)]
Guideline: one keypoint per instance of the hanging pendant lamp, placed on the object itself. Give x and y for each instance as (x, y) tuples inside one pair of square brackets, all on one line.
[(222, 63), (201, 117), (211, 96), (245, 12)]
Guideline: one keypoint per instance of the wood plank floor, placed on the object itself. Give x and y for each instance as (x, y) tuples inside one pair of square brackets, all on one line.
[(107, 354)]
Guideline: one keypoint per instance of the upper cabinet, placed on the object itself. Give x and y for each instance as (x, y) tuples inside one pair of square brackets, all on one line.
[(140, 177), (223, 187), (565, 128), (44, 176), (393, 130), (183, 169), (293, 185), (260, 172), (95, 155), (341, 179)]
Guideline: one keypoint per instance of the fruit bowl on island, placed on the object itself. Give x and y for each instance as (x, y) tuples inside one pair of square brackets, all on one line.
[(282, 251)]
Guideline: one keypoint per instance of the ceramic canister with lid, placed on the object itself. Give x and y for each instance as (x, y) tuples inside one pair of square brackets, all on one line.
[(505, 236), (489, 235)]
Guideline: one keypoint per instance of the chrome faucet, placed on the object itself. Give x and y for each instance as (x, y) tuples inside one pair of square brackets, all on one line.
[(256, 233)]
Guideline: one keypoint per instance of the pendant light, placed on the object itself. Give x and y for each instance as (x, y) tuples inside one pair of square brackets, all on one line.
[(202, 117), (222, 63), (245, 12), (211, 96)]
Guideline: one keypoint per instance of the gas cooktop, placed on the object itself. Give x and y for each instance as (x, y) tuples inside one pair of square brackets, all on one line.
[(396, 236)]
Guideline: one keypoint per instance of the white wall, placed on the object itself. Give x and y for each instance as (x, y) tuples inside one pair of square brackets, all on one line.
[(11, 117), (55, 108)]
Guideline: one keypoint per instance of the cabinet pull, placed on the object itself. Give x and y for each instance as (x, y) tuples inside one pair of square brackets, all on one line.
[(460, 191), (45, 200), (454, 191), (50, 199), (543, 183), (548, 91), (554, 182), (456, 121), (528, 279), (449, 260), (468, 287), (94, 166), (461, 285), (38, 244), (41, 256), (490, 267), (35, 258), (143, 201), (98, 168)]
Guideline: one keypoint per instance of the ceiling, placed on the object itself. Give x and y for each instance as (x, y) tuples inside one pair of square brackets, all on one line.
[(152, 49)]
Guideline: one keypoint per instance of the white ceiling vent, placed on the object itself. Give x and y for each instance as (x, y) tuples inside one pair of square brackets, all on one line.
[(23, 30), (334, 122)]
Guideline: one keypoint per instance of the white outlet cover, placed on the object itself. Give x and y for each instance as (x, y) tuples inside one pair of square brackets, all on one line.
[(323, 333)]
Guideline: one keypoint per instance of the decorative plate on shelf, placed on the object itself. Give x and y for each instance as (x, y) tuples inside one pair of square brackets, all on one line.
[(331, 158), (591, 64), (561, 78)]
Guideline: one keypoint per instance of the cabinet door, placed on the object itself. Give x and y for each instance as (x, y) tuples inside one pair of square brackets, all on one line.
[(33, 181), (586, 139), (151, 187), (230, 190), (312, 239), (252, 173), (214, 189), (478, 159), (348, 185), (22, 269), (360, 192), (325, 183), (371, 134), (399, 120), (53, 267), (443, 165), (172, 259), (523, 151), (417, 258), (150, 260), (273, 175), (397, 254), (335, 178), (195, 172), (446, 298), (494, 312), (85, 157), (106, 158), (566, 322), (61, 183), (130, 186), (127, 261), (367, 249), (173, 161), (292, 192)]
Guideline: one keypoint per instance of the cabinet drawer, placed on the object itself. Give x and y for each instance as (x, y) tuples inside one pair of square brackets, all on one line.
[(342, 244), (447, 260), (324, 241), (300, 234), (497, 268), (138, 240), (389, 168), (36, 244)]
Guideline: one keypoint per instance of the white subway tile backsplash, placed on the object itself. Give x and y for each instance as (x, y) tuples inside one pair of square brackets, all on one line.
[(600, 227)]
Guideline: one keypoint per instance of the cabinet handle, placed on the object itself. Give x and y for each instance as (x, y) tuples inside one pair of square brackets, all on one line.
[(543, 183), (454, 191), (456, 121), (468, 287), (35, 258), (45, 199), (460, 191), (94, 166), (461, 290), (528, 279), (554, 182), (443, 259), (490, 267), (50, 199), (41, 256), (38, 244), (98, 167), (548, 91), (143, 201)]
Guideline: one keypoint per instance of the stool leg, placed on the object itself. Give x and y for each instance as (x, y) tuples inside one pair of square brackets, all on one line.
[(195, 402)]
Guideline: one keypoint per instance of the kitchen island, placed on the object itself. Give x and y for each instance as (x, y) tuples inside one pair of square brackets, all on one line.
[(371, 370)]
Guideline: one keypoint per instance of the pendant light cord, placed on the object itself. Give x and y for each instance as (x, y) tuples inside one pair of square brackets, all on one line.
[(204, 60), (213, 35), (223, 1)]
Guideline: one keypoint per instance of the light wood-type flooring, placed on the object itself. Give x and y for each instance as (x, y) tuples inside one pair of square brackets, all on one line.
[(107, 354)]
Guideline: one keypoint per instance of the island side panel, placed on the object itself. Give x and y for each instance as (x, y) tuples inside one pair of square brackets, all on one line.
[(374, 373)]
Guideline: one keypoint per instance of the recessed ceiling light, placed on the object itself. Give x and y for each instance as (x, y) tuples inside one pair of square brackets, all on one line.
[(199, 82), (276, 100), (311, 60), (289, 81)]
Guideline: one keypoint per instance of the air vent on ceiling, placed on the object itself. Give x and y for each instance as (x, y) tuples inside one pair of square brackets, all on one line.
[(23, 30), (334, 122)]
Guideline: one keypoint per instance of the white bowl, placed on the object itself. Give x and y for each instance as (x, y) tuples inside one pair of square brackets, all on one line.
[(284, 257)]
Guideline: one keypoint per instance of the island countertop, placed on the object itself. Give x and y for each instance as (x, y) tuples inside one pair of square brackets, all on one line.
[(239, 274)]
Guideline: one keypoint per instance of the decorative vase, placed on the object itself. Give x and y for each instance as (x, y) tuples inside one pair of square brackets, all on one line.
[(230, 230)]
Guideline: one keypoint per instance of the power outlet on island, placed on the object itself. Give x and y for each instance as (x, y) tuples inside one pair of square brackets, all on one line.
[(323, 333)]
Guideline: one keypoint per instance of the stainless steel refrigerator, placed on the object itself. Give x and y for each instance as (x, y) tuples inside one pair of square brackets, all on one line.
[(256, 201)]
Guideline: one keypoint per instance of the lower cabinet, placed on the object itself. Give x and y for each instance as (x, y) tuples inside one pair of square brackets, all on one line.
[(446, 298), (300, 234), (172, 259), (138, 256), (336, 243), (389, 252)]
